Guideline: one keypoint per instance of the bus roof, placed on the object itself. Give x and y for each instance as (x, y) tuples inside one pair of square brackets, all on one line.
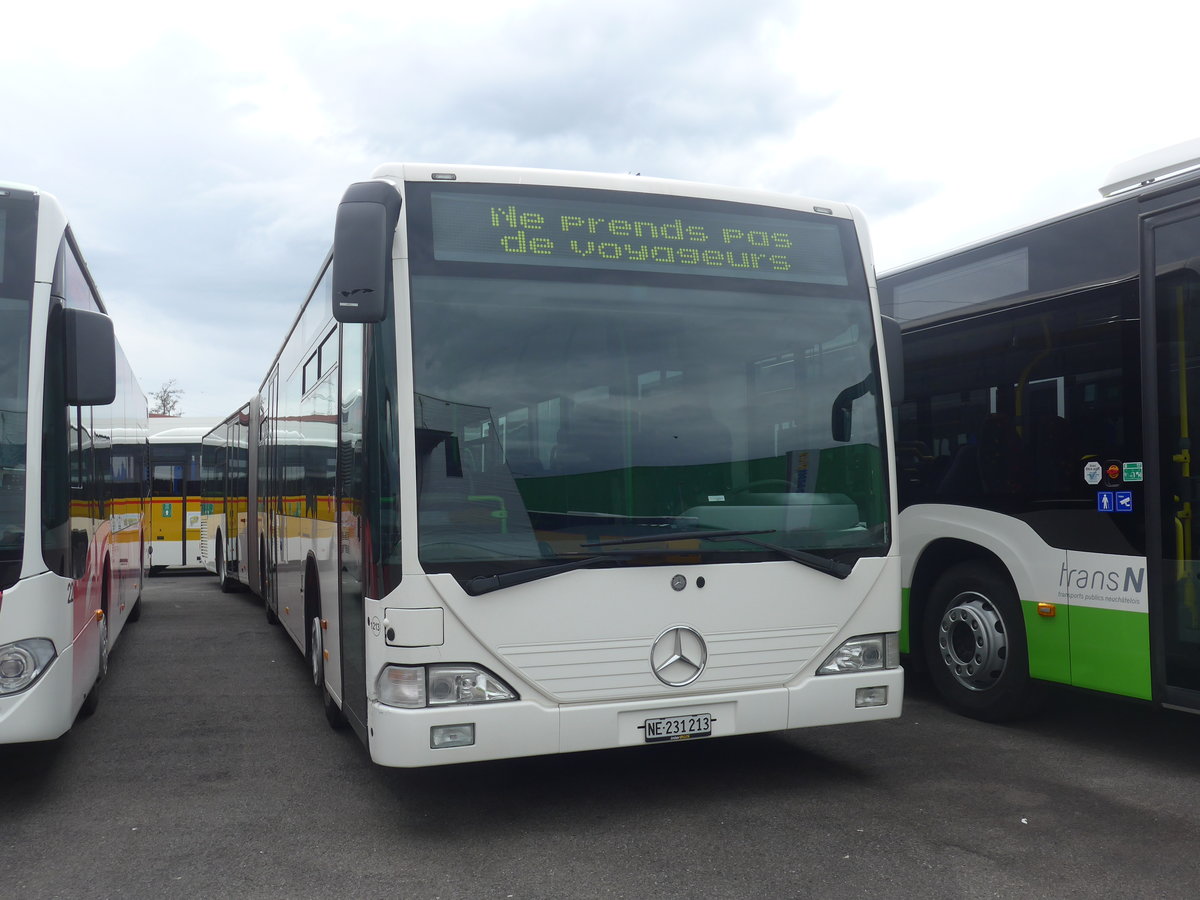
[(180, 429), (1178, 181), (1149, 167), (606, 181)]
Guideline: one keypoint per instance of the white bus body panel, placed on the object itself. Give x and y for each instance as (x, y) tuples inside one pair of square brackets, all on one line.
[(1040, 573), (576, 648), (37, 608), (1005, 536)]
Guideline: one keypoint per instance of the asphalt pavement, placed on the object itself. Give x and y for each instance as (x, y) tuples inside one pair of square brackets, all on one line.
[(209, 771)]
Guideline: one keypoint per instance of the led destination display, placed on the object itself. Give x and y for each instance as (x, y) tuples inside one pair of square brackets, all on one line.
[(539, 231)]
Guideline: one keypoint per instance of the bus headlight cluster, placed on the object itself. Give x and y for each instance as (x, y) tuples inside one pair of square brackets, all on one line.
[(417, 687), (864, 653), (22, 662)]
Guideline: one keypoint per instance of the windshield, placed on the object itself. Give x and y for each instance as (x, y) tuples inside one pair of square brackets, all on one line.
[(16, 287), (560, 406)]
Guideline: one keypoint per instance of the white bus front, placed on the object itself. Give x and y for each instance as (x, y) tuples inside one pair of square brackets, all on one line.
[(640, 492)]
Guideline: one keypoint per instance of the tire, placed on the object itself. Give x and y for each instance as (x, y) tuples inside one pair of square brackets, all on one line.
[(92, 701), (272, 616), (975, 649), (316, 643), (222, 572), (316, 652), (333, 713)]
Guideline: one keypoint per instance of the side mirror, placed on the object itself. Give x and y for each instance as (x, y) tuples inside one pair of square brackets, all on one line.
[(362, 251), (91, 358)]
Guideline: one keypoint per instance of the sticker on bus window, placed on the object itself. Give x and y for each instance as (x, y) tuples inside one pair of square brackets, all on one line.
[(1092, 472), (1104, 501), (1132, 471)]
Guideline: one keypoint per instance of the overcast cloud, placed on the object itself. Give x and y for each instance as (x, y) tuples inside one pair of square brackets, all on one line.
[(200, 152)]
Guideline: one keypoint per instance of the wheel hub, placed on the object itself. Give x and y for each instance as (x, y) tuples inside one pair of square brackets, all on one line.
[(973, 641)]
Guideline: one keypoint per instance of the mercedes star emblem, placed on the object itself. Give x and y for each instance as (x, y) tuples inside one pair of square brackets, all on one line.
[(678, 656)]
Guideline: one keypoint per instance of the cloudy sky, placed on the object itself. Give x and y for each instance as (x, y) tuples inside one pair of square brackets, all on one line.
[(200, 150)]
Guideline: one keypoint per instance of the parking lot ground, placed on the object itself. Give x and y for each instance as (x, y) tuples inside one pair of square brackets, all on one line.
[(209, 771)]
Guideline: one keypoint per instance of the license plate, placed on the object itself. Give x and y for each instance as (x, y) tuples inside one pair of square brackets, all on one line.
[(678, 728)]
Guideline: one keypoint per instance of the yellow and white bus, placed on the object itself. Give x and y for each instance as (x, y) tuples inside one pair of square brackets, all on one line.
[(555, 461), (175, 502), (72, 475)]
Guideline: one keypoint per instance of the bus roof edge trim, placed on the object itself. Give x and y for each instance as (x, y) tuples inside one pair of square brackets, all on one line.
[(1150, 166)]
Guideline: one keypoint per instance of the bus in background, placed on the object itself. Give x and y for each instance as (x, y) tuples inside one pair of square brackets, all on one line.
[(1044, 457), (227, 452), (175, 503), (555, 461), (72, 475)]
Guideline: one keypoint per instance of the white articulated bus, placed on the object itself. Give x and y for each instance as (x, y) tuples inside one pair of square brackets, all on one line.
[(554, 461), (231, 532), (73, 469)]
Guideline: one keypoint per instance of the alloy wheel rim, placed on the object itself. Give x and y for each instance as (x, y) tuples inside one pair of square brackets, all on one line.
[(973, 641)]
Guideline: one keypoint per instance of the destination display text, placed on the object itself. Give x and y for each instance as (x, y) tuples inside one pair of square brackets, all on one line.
[(535, 231)]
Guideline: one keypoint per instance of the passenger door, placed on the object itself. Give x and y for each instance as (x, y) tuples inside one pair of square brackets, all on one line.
[(1171, 286)]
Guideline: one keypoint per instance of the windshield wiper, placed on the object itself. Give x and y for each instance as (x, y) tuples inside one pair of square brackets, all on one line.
[(820, 563), (676, 536), (484, 584)]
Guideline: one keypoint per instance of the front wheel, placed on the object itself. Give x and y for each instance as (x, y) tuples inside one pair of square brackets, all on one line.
[(92, 701), (975, 648), (222, 570), (316, 642), (317, 652)]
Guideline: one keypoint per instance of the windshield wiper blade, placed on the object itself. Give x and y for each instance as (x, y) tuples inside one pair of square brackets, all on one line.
[(484, 584), (820, 563), (676, 536)]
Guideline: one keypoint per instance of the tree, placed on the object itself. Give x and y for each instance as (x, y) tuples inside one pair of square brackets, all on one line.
[(165, 401)]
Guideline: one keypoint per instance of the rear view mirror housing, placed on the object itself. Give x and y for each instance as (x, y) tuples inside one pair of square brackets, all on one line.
[(362, 252), (91, 358)]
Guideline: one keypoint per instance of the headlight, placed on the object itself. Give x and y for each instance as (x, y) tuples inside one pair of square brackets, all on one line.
[(415, 687), (465, 684), (864, 654), (22, 662)]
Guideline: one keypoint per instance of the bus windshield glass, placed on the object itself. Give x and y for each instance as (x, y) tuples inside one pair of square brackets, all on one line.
[(16, 287), (594, 366)]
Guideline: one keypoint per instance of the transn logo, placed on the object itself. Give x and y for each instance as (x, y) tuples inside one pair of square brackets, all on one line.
[(1100, 580)]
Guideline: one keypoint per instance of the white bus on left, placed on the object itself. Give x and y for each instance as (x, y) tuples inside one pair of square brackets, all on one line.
[(72, 475)]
